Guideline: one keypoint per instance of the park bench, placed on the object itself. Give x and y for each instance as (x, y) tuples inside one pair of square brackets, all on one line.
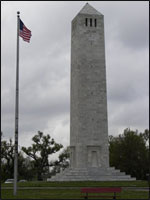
[(90, 191)]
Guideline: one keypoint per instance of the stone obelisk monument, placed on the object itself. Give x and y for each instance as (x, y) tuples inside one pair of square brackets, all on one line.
[(88, 134), (89, 155)]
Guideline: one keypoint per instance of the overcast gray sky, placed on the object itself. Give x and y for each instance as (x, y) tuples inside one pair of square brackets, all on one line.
[(45, 66)]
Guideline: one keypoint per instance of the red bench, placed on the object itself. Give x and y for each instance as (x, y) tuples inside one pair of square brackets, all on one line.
[(103, 190)]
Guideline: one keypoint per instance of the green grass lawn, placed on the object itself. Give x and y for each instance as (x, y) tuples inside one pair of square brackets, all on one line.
[(66, 193), (79, 184)]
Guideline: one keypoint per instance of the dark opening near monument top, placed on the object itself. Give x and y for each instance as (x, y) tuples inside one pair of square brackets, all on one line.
[(89, 154)]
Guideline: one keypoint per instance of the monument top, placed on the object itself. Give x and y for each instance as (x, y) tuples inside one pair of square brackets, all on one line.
[(88, 9)]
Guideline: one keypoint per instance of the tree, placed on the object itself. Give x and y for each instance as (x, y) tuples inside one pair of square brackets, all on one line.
[(7, 163), (129, 153), (25, 167), (7, 159), (62, 162), (42, 147), (145, 136)]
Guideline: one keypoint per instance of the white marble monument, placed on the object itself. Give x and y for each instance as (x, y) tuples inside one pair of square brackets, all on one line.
[(89, 155)]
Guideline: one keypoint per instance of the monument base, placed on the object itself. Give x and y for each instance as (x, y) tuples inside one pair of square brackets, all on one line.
[(92, 174)]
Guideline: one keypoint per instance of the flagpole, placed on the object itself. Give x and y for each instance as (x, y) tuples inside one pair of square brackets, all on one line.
[(16, 110)]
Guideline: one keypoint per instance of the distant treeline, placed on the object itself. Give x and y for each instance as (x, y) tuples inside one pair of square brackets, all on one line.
[(128, 152)]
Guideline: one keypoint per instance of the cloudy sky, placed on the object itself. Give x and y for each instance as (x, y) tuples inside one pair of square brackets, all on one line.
[(45, 66)]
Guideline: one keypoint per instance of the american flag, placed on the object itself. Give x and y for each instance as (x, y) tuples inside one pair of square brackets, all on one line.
[(24, 32)]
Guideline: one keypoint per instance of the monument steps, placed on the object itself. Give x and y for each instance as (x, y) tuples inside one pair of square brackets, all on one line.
[(104, 178), (94, 171), (91, 174)]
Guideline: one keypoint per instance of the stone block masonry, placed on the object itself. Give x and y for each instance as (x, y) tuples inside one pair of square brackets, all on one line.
[(89, 154)]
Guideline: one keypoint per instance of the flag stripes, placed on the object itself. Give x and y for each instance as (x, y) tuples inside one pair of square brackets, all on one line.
[(24, 32)]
